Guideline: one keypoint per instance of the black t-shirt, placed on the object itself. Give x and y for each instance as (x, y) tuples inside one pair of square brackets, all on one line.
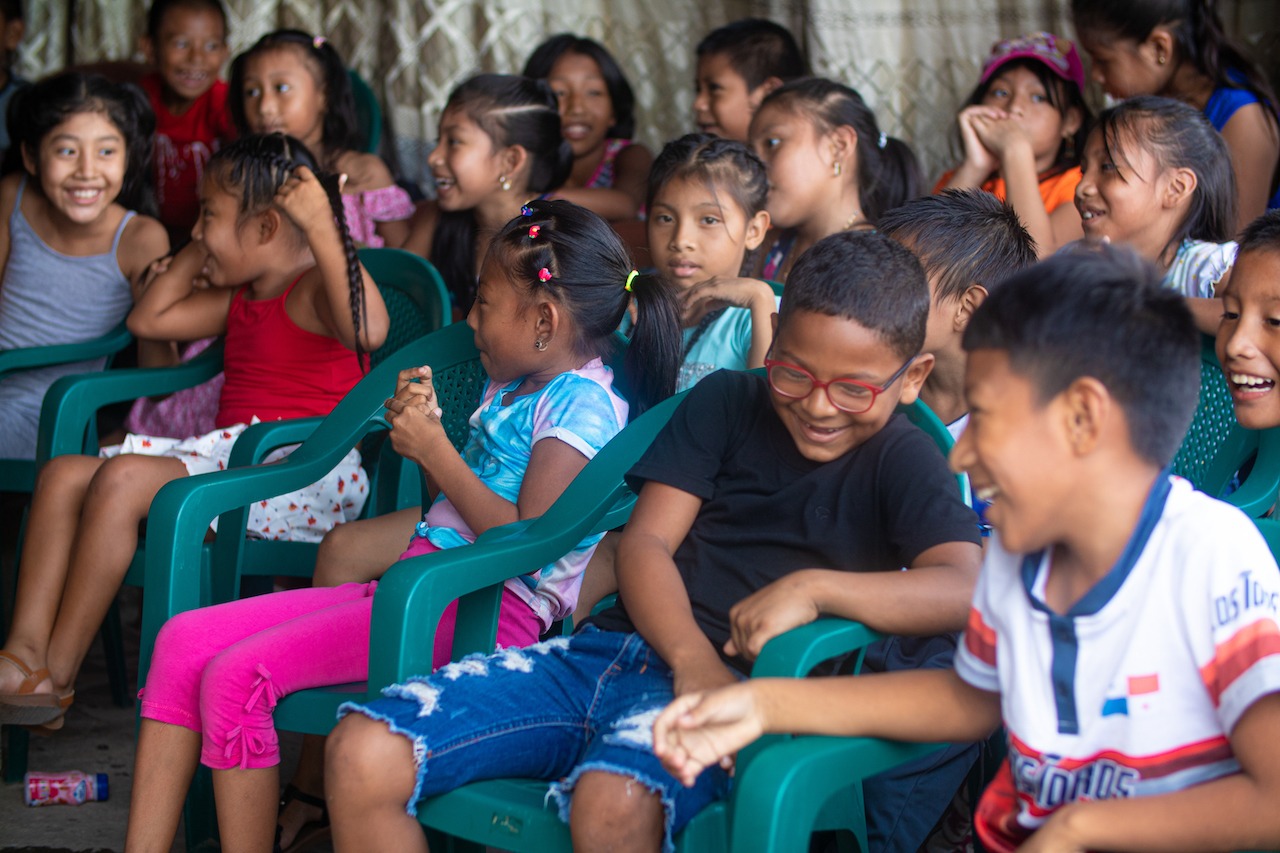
[(767, 511)]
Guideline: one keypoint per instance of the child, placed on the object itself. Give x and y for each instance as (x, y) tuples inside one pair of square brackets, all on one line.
[(706, 216), (738, 64), (1023, 129), (968, 242), (293, 302), (290, 82), (597, 119), (830, 167), (500, 146), (72, 242), (552, 289), (752, 481), (1247, 339), (186, 41), (12, 28), (1124, 627), (1156, 176), (1177, 48)]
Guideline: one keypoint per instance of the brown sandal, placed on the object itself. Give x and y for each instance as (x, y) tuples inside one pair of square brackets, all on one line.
[(28, 708)]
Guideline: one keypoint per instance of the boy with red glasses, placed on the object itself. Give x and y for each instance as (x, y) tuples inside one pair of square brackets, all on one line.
[(760, 506)]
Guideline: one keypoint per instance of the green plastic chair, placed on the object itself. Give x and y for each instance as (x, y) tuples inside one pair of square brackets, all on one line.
[(417, 303), (19, 475), (512, 814), (1216, 447), (368, 112)]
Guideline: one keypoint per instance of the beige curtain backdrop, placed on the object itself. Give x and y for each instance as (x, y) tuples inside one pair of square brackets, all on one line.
[(913, 60)]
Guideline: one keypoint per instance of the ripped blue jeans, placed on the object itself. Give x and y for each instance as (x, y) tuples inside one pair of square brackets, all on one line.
[(552, 711)]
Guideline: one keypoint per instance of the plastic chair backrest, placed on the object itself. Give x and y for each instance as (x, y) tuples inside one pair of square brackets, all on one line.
[(1215, 446), (416, 299), (368, 112)]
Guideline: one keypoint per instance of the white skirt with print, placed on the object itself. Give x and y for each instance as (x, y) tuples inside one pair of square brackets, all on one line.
[(304, 515)]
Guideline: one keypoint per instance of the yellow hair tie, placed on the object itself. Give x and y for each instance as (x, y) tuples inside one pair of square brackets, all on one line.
[(630, 278)]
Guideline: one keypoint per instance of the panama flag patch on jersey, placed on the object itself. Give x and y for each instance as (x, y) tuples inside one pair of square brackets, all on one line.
[(1136, 687)]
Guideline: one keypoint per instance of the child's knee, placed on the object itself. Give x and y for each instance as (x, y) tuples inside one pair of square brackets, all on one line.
[(363, 754), (609, 806), (339, 549), (66, 475)]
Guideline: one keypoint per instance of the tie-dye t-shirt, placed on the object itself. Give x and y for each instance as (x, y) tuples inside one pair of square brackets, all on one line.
[(579, 408)]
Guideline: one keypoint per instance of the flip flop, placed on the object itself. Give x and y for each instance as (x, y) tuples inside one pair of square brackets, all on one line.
[(26, 707)]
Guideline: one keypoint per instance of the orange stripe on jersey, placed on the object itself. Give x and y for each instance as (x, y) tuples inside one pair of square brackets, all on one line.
[(980, 638), (1208, 751), (1232, 658)]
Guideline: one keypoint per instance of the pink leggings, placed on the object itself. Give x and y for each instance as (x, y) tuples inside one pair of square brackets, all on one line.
[(220, 670)]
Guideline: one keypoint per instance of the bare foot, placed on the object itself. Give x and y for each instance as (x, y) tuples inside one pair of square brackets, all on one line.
[(295, 815)]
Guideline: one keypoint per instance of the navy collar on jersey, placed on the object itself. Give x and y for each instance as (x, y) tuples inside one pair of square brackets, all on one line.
[(1062, 629)]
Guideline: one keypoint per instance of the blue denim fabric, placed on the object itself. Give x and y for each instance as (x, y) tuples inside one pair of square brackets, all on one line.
[(551, 711)]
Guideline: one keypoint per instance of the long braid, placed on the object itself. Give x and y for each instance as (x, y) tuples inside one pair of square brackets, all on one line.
[(260, 165), (355, 279)]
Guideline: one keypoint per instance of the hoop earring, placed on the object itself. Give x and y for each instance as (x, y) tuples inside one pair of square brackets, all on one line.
[(540, 345), (504, 182)]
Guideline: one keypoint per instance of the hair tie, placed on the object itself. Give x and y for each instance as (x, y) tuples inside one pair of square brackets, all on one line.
[(526, 210), (630, 278), (533, 231), (544, 274), (880, 143), (318, 42)]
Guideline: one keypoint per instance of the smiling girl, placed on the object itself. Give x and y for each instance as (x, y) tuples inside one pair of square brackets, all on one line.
[(596, 118), (72, 242), (499, 148)]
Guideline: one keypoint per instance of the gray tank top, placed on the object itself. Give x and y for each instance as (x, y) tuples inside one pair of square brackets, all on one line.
[(47, 297)]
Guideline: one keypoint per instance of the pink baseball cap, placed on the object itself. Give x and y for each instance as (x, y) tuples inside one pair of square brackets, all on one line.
[(1058, 54)]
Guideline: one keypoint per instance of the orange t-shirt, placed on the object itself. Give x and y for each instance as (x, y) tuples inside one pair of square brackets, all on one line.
[(1055, 191)]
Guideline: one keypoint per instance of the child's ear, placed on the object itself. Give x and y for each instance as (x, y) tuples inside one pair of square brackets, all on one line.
[(29, 160), (913, 380), (1085, 408), (973, 296), (844, 149), (759, 93), (1071, 124), (1180, 184), (757, 227), (514, 159), (146, 47), (1159, 47), (268, 226), (546, 320)]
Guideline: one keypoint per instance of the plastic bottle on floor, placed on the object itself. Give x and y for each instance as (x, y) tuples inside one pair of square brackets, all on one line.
[(70, 787)]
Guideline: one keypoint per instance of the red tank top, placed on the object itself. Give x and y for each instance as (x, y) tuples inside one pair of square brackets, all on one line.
[(276, 370)]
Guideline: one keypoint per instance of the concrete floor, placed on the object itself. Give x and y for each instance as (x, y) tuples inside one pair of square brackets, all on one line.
[(98, 738)]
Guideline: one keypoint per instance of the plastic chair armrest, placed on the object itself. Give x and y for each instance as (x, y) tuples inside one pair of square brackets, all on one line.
[(26, 358), (779, 793), (258, 440), (794, 653), (72, 401), (1258, 493)]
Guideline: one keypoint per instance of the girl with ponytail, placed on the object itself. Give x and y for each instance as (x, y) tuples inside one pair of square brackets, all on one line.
[(553, 286), (831, 168), (1178, 49)]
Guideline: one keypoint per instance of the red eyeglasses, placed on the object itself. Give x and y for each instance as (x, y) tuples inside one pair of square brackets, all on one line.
[(847, 395)]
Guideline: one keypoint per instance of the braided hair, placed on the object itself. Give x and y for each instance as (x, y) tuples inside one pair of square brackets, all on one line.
[(254, 168), (582, 265), (723, 165)]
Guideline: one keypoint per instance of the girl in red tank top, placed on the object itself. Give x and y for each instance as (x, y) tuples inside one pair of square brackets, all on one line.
[(271, 265)]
